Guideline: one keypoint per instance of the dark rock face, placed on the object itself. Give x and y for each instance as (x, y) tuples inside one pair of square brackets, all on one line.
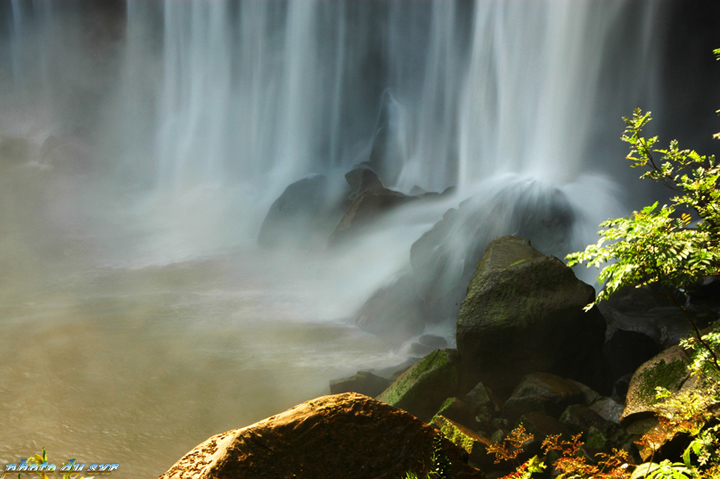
[(622, 355), (346, 436), (367, 206), (362, 179), (524, 313), (542, 392), (301, 215)]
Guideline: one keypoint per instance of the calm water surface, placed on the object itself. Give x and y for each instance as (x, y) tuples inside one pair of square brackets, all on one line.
[(136, 364)]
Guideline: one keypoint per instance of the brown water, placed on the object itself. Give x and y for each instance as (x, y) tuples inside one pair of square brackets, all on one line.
[(137, 365)]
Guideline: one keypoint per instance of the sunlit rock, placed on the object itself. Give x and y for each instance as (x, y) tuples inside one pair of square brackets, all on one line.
[(345, 436)]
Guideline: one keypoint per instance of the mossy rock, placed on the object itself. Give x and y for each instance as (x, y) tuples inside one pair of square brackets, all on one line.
[(668, 370), (473, 443), (524, 313), (423, 388)]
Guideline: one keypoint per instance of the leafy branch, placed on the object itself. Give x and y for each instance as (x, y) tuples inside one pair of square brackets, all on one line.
[(669, 248)]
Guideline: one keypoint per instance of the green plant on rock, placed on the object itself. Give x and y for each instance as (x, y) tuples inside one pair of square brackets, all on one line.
[(441, 466), (668, 248), (690, 412)]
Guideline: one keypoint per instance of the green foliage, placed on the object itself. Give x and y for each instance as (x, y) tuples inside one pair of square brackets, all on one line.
[(668, 470), (690, 412), (441, 466), (668, 248), (672, 246)]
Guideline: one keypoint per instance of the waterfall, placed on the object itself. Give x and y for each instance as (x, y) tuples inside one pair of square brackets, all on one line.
[(242, 98), (273, 91)]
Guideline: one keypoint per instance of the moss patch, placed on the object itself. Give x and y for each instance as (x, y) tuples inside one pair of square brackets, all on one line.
[(423, 388), (662, 374), (453, 433)]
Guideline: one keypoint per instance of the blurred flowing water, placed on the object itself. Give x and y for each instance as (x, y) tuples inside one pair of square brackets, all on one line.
[(137, 315)]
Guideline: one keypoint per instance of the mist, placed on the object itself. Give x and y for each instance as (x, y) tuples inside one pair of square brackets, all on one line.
[(142, 144)]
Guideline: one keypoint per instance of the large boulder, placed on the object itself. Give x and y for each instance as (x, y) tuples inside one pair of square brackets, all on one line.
[(345, 436), (524, 313), (668, 370), (444, 259)]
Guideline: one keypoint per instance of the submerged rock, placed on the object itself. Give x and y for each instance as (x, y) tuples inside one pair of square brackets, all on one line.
[(524, 313), (345, 436)]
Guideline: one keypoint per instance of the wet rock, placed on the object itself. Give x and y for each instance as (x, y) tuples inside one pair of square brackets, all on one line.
[(365, 209), (542, 425), (589, 394), (301, 216), (444, 259), (345, 436), (423, 388), (524, 313), (541, 392), (645, 312), (424, 345), (362, 179), (364, 382)]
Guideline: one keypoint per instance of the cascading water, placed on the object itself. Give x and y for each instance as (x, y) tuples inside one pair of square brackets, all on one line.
[(143, 142)]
